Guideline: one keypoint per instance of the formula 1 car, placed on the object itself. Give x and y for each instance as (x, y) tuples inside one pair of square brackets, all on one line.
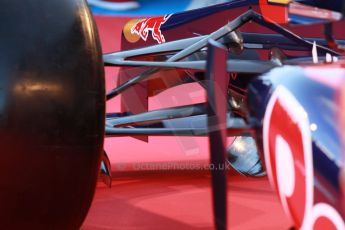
[(273, 72)]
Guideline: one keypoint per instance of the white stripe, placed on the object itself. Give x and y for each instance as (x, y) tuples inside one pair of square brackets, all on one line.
[(315, 54), (114, 5), (199, 4)]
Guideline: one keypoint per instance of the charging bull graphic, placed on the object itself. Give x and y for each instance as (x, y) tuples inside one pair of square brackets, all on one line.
[(144, 26)]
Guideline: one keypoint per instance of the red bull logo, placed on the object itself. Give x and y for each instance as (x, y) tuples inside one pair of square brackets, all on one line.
[(153, 25)]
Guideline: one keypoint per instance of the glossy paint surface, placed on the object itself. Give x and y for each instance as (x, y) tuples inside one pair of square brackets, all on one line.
[(319, 104)]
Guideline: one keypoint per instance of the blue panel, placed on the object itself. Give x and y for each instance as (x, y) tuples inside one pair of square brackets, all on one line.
[(302, 20), (335, 5), (148, 7), (160, 7), (319, 102), (188, 16)]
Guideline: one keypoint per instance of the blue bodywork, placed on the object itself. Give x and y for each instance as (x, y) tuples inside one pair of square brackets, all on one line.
[(335, 5), (319, 101), (188, 16)]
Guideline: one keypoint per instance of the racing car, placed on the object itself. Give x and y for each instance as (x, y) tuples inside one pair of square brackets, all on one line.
[(273, 72)]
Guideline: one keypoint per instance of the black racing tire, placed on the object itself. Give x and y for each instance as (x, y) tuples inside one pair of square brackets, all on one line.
[(52, 113)]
